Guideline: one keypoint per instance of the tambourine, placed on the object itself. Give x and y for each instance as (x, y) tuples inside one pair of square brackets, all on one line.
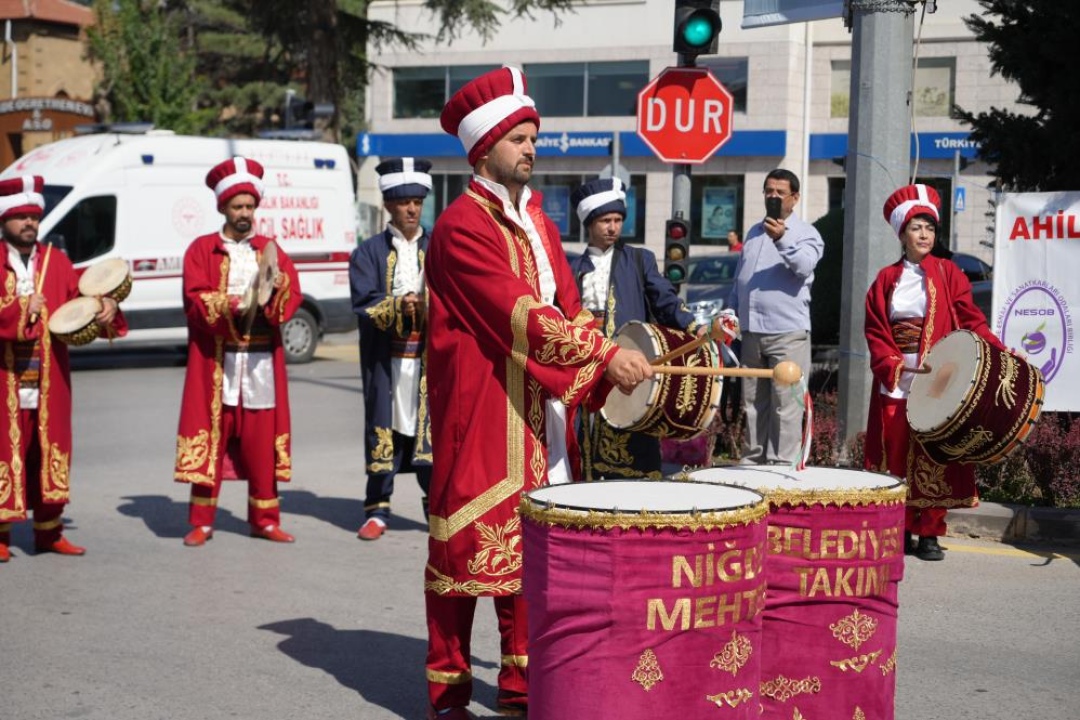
[(108, 278), (73, 322)]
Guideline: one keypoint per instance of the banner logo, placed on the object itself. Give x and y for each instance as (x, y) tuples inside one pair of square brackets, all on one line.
[(1037, 325)]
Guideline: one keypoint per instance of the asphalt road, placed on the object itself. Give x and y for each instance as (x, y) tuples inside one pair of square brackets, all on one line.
[(143, 628)]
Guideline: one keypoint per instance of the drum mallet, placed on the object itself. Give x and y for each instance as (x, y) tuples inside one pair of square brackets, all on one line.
[(716, 332), (785, 373), (41, 277)]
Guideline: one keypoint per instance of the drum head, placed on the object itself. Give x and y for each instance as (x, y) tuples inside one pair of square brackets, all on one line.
[(764, 478), (74, 315), (954, 366), (621, 410), (103, 277), (636, 496)]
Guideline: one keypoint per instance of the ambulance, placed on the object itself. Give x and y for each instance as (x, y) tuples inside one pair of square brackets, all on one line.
[(141, 196)]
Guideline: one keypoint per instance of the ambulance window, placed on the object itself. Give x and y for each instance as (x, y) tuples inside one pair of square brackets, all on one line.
[(53, 195), (89, 228)]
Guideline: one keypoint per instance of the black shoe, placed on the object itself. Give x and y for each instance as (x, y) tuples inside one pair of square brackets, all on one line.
[(929, 549), (910, 544)]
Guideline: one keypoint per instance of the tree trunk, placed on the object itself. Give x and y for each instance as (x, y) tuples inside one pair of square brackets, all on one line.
[(324, 77)]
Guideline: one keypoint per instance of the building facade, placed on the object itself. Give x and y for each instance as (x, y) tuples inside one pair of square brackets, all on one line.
[(46, 83), (791, 85)]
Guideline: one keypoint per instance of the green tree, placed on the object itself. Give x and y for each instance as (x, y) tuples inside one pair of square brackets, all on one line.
[(1033, 43), (148, 74)]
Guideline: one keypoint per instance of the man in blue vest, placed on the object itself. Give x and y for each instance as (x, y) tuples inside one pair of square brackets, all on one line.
[(386, 277)]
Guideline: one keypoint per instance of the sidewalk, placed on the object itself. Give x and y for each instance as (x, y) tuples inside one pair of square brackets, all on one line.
[(1012, 523)]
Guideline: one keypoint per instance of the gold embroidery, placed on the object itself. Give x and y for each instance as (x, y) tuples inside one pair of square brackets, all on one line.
[(797, 715), (7, 484), (609, 318), (448, 678), (565, 344), (192, 452), (14, 434), (784, 688), (735, 654), (546, 514), (975, 438), (929, 478), (1006, 392), (284, 462), (731, 698), (59, 468), (648, 672), (854, 629), (264, 503), (581, 379), (859, 714), (521, 661), (443, 585), (537, 408), (384, 444), (500, 549), (889, 665), (613, 446), (857, 663)]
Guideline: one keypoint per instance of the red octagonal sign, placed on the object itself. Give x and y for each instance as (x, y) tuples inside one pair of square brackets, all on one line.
[(684, 115)]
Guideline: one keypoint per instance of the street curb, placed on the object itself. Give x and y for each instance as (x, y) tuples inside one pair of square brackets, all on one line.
[(1009, 523)]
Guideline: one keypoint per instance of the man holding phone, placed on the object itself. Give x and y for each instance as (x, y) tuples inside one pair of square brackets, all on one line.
[(771, 296)]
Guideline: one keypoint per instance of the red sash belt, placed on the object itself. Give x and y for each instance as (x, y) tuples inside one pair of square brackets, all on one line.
[(28, 363), (407, 347), (907, 333)]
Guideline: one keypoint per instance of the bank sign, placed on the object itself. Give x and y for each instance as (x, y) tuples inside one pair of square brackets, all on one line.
[(1036, 293)]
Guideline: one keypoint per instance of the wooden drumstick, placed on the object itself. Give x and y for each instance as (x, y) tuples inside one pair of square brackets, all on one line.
[(715, 333), (785, 373), (41, 277), (919, 370)]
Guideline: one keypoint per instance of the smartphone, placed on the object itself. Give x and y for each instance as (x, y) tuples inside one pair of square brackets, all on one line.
[(773, 207)]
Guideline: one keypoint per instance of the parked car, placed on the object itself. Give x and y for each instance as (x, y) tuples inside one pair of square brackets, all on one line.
[(981, 276), (709, 281), (975, 268)]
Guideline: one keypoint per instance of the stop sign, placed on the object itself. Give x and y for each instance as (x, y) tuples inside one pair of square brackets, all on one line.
[(684, 115)]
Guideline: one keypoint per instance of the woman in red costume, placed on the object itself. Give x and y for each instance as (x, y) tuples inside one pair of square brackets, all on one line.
[(911, 305)]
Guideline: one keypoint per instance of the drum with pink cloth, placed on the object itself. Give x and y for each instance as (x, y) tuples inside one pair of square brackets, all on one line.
[(835, 559), (645, 600)]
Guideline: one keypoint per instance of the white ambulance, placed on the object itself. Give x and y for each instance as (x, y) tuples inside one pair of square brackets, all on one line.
[(142, 197)]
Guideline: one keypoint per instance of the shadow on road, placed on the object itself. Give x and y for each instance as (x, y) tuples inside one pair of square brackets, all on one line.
[(344, 513), (167, 518), (374, 664)]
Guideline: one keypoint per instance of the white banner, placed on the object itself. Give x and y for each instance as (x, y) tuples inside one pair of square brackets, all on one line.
[(1037, 287)]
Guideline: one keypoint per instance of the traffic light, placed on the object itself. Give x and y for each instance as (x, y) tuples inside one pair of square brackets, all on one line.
[(676, 250), (697, 25)]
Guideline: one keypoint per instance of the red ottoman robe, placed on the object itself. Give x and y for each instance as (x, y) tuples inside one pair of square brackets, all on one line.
[(488, 327), (54, 402), (210, 326), (949, 307)]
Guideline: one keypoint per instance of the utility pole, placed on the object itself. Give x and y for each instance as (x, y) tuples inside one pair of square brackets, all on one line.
[(878, 161)]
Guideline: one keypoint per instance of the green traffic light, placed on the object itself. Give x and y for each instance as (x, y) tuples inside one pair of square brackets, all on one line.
[(698, 31), (675, 274)]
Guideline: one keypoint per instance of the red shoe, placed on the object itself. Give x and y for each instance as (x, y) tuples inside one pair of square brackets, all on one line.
[(61, 547), (455, 713), (198, 537), (272, 533), (512, 704), (372, 529), (5, 554)]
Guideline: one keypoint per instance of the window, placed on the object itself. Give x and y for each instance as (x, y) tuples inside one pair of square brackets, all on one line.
[(88, 230), (934, 88), (732, 74), (612, 87), (559, 89), (715, 208), (556, 190), (419, 92)]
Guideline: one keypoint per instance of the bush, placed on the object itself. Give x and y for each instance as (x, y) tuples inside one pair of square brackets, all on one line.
[(1045, 471)]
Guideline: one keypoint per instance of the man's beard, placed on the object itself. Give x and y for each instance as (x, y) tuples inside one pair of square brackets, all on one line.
[(242, 227), (20, 240)]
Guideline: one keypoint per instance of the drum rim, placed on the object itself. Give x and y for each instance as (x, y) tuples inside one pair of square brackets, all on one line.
[(855, 497), (564, 515)]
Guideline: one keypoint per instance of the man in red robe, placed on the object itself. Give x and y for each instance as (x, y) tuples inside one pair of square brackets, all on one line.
[(234, 417), (511, 353), (35, 462)]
